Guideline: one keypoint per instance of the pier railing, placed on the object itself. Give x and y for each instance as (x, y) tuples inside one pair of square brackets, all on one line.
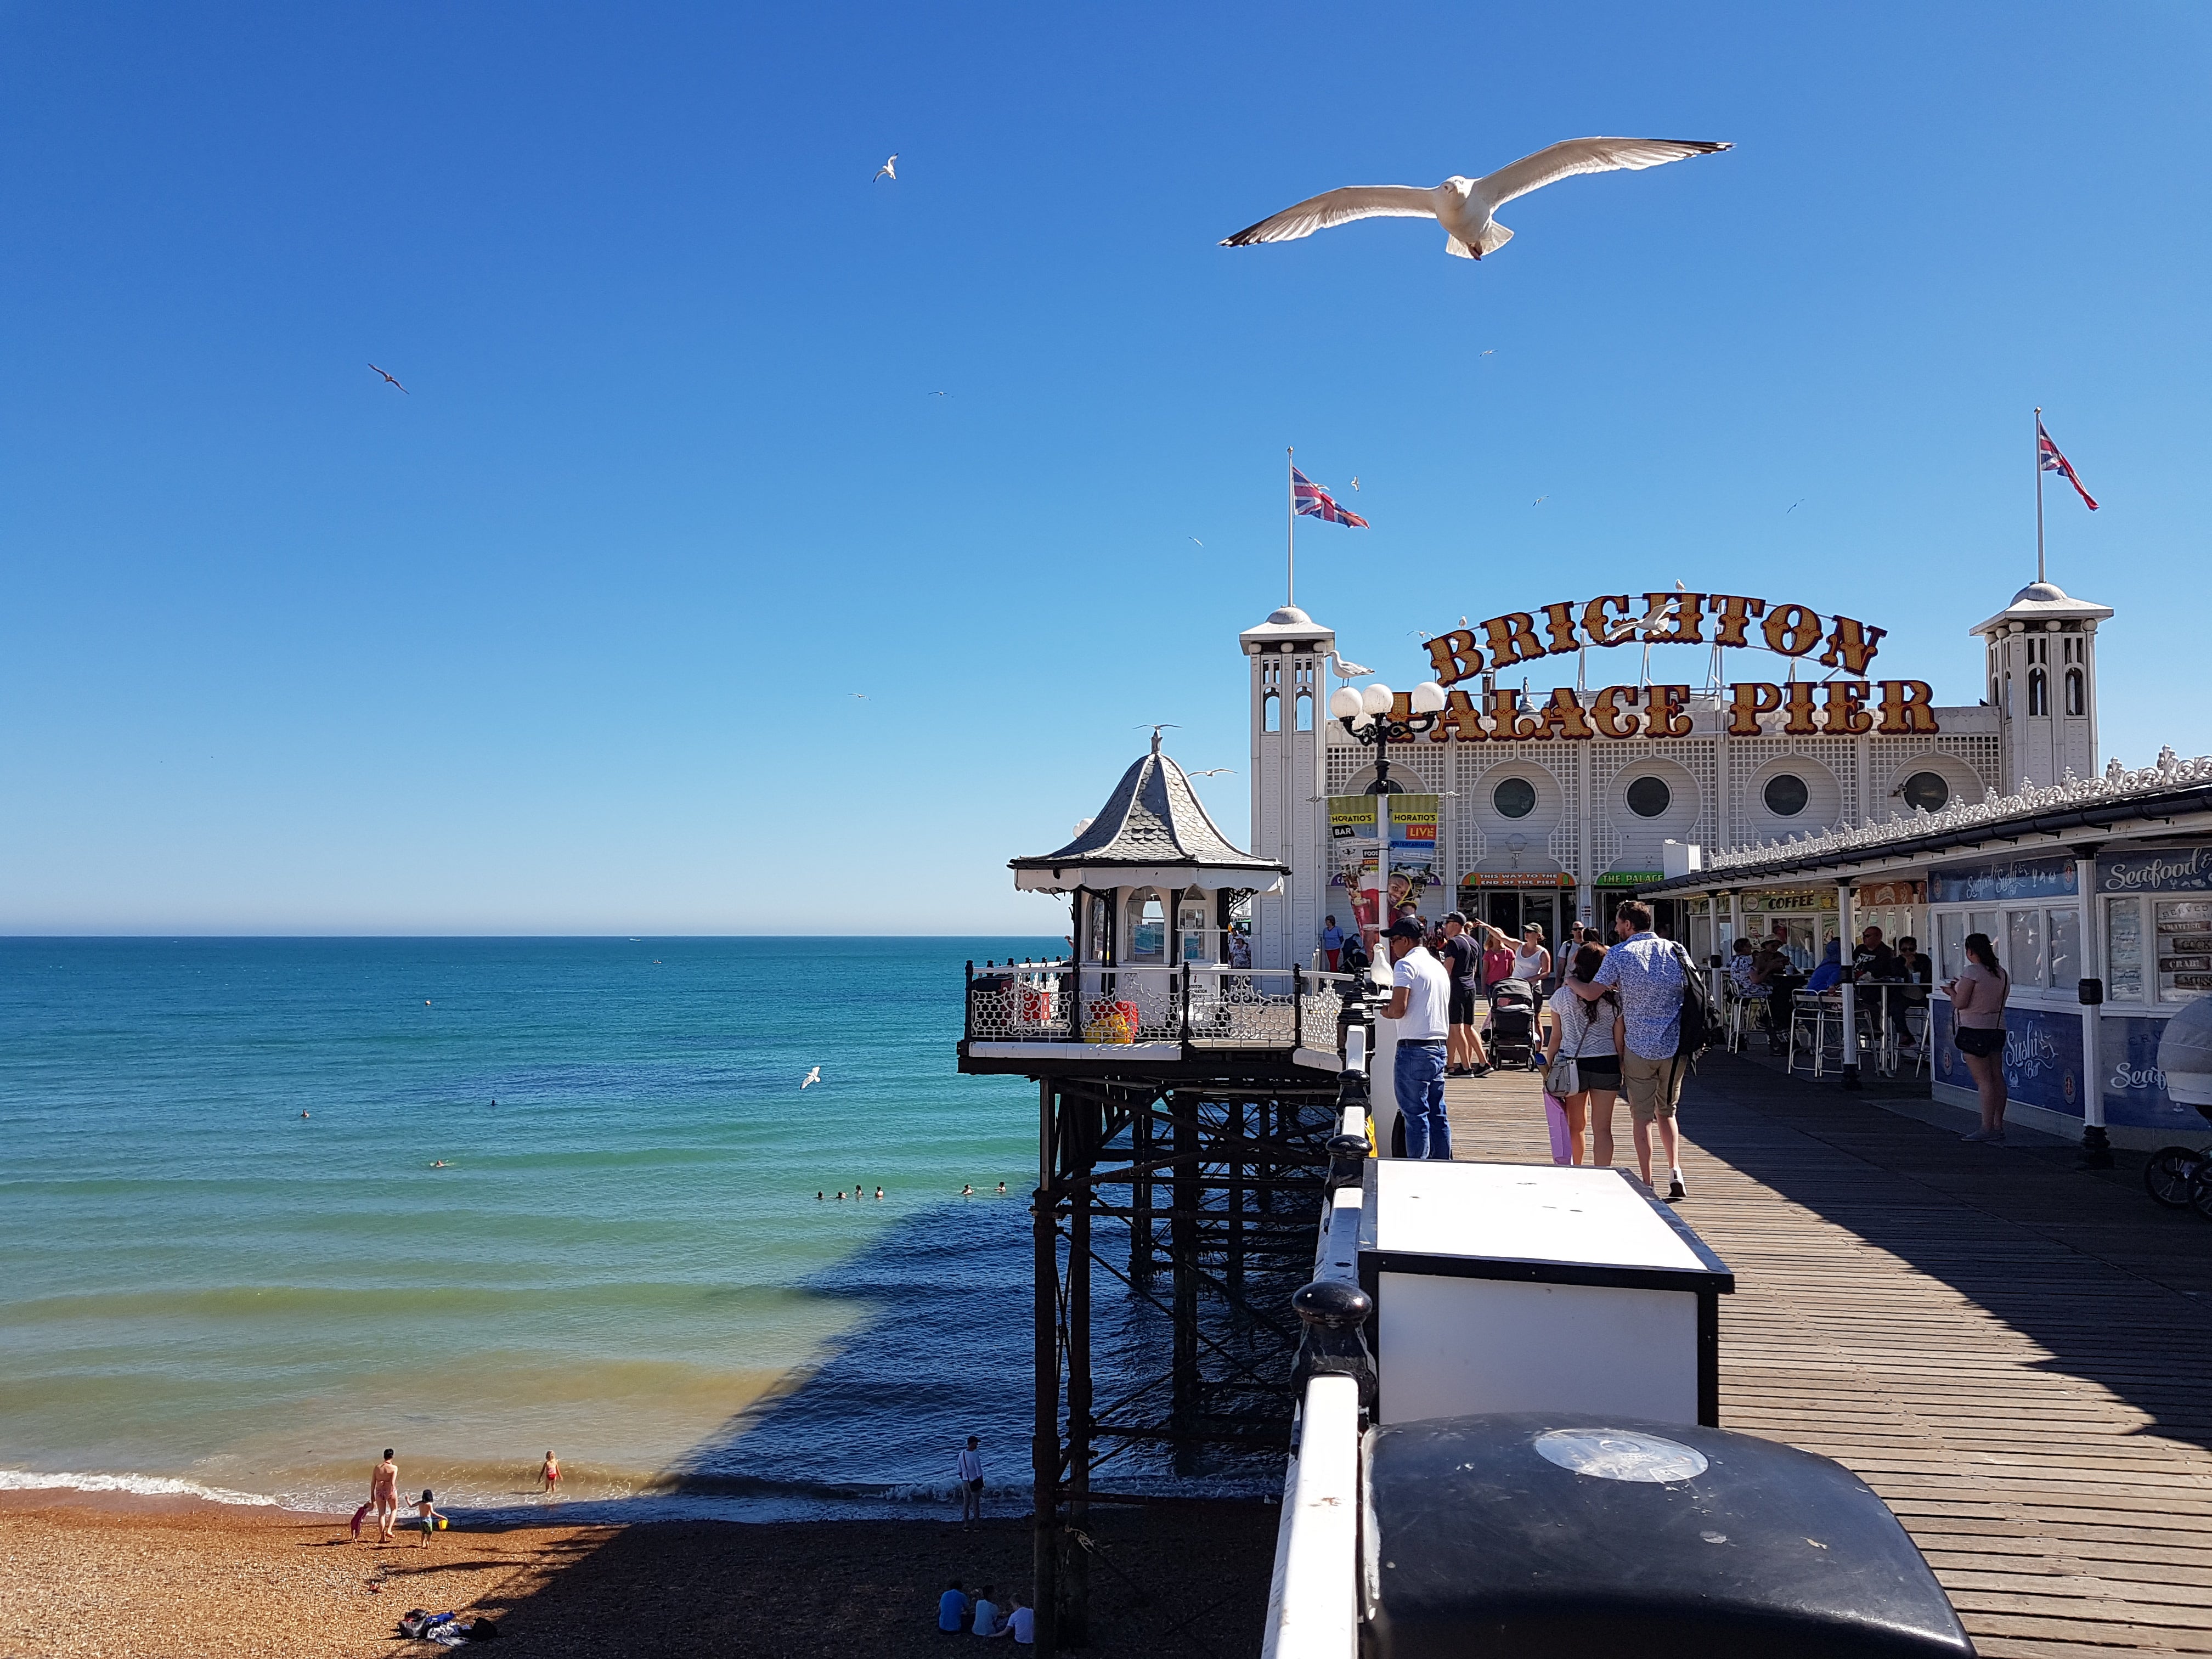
[(1198, 1005)]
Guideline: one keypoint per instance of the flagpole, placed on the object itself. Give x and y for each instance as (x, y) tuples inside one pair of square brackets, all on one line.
[(1291, 527), (2038, 493)]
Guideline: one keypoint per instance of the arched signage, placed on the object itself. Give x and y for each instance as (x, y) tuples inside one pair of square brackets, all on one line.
[(1837, 707)]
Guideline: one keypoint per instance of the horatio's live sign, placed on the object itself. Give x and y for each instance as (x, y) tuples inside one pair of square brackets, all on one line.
[(1844, 704)]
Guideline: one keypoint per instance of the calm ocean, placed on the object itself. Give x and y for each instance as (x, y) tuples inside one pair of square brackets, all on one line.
[(623, 1259)]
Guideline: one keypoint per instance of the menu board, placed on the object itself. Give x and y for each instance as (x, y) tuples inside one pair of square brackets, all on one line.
[(2123, 951), (2184, 948)]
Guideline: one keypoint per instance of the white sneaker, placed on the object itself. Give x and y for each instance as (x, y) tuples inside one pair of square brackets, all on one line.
[(1675, 1187)]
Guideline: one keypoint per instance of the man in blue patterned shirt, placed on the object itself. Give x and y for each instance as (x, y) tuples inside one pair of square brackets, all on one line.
[(1647, 972)]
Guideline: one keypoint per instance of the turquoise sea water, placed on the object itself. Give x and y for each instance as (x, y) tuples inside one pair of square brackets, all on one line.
[(623, 1259)]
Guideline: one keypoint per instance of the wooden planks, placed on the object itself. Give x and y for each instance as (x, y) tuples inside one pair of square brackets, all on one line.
[(2013, 1353)]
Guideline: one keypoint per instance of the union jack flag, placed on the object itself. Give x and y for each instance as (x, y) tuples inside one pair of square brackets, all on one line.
[(1315, 502), (2049, 459)]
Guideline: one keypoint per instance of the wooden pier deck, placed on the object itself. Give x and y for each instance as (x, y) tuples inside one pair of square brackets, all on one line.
[(2014, 1354)]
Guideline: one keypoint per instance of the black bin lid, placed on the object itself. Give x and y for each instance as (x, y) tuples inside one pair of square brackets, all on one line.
[(1533, 1534)]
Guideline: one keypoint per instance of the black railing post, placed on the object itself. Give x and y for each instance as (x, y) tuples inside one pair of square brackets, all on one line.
[(1298, 1006), (1186, 1005), (968, 1005), (1074, 991)]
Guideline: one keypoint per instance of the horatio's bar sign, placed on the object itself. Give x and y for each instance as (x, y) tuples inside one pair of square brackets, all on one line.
[(1842, 705)]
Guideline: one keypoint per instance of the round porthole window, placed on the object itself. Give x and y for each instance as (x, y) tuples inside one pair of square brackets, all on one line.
[(1927, 791), (1648, 797), (1515, 797), (1785, 794)]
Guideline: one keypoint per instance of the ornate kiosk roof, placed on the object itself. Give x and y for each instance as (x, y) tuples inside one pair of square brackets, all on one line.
[(1152, 831)]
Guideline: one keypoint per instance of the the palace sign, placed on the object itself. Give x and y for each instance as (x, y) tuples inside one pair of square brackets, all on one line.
[(1844, 705)]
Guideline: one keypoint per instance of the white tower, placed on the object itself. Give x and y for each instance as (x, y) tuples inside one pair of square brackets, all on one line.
[(2040, 668), (1286, 652)]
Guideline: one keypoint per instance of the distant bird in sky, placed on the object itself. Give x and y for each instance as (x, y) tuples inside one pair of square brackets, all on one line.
[(1212, 771), (1464, 206), (1794, 505), (394, 382), (889, 170), (1355, 483), (862, 696), (939, 394), (812, 1076), (1492, 352), (1346, 670), (1195, 539), (1539, 501)]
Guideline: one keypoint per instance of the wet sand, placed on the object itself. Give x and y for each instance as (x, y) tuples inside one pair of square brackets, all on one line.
[(167, 1579)]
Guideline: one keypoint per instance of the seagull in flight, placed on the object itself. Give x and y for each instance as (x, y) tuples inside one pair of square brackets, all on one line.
[(1539, 501), (1355, 483), (862, 696), (1195, 539), (1794, 505), (1346, 670), (1212, 771), (390, 378), (889, 170), (1464, 206), (812, 1076)]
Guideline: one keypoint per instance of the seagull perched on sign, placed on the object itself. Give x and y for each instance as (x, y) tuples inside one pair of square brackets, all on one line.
[(1464, 206), (1346, 670), (889, 170)]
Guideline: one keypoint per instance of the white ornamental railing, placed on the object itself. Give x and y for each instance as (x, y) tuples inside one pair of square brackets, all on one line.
[(2117, 785), (1202, 1005)]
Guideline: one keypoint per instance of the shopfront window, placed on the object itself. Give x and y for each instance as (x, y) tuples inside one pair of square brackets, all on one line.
[(2062, 944), (2123, 951), (2184, 948), (2023, 957), (1950, 945)]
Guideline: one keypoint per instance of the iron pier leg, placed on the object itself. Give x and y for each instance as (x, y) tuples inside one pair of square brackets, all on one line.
[(1235, 1264), (1044, 1445), (1182, 1256), (1075, 1592), (1140, 1195)]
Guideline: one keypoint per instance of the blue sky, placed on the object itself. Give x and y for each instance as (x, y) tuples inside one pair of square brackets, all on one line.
[(564, 640)]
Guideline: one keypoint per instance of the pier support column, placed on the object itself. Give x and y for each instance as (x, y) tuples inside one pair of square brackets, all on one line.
[(1075, 1588), (1140, 1195), (1182, 1256), (1044, 1444), (1234, 1245)]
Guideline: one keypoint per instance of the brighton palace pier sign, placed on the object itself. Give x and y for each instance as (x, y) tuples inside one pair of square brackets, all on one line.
[(1844, 704)]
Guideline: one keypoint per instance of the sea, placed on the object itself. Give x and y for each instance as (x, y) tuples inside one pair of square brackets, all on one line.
[(268, 1207)]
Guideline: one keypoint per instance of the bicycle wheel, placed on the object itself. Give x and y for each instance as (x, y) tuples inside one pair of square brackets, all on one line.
[(2170, 1177)]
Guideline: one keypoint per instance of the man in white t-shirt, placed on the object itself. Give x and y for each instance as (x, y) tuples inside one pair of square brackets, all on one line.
[(1021, 1623), (972, 1482), (1420, 1001)]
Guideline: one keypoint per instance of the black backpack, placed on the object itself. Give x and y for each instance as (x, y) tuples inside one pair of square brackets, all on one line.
[(1701, 1026)]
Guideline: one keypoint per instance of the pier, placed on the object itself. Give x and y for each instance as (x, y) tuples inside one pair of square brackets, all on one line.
[(2012, 1352)]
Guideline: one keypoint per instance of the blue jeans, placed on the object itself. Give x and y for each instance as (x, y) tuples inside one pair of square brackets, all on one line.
[(1418, 1076)]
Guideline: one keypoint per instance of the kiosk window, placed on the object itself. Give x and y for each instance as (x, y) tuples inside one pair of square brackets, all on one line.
[(1927, 791), (1950, 945), (2184, 948), (1148, 930), (2124, 950), (1648, 797), (1785, 794), (2062, 936), (1515, 797), (2023, 957)]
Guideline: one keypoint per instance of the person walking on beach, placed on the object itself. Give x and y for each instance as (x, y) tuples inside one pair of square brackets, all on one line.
[(1648, 972), (1420, 999), (426, 1513), (970, 1466), (1977, 996), (384, 1496)]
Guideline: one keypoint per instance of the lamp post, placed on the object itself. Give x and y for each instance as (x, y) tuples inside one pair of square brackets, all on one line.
[(1365, 712)]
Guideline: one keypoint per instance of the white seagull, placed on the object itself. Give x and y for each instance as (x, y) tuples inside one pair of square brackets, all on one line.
[(1464, 206), (889, 170), (814, 1076), (1212, 771), (1346, 670)]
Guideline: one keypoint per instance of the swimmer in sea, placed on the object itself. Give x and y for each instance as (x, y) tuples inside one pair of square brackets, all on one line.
[(841, 1194), (966, 1191), (818, 1197), (1002, 1189), (303, 1114), (879, 1195), (441, 1164)]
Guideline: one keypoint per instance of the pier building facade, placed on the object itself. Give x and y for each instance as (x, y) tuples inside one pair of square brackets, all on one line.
[(1551, 803)]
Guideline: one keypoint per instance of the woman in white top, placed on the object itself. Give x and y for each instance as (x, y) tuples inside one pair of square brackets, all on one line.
[(1532, 961), (1589, 1034)]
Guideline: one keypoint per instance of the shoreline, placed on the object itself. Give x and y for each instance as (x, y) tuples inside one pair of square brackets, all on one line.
[(154, 1576)]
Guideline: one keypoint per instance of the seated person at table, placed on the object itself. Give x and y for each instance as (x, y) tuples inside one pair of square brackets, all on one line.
[(1830, 974), (1743, 963), (1873, 959)]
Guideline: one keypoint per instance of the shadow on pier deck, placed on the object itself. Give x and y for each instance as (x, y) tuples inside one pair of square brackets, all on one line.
[(2014, 1354)]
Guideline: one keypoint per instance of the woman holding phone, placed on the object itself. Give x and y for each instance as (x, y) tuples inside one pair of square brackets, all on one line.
[(1977, 1004)]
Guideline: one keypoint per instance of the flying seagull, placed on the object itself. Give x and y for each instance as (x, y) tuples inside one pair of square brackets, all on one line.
[(390, 378), (1463, 206), (1211, 771), (1794, 505), (1539, 501), (862, 696), (814, 1076), (1355, 483), (1346, 670), (889, 170)]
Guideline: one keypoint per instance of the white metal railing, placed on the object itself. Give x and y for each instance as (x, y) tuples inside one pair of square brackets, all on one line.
[(1205, 1004)]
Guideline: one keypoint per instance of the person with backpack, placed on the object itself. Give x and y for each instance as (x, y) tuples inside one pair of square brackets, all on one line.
[(1656, 986)]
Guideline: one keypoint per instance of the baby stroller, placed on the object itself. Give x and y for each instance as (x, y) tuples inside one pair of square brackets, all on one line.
[(1510, 1034)]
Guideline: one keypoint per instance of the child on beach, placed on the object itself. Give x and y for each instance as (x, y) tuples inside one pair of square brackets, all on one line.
[(550, 1475), (426, 1512)]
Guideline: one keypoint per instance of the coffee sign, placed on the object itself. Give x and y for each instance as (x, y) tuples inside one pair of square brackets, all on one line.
[(1837, 707)]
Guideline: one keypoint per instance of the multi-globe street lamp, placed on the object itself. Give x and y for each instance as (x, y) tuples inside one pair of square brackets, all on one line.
[(1365, 711)]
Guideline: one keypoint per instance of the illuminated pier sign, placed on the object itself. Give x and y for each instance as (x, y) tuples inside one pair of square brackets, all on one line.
[(1835, 707)]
